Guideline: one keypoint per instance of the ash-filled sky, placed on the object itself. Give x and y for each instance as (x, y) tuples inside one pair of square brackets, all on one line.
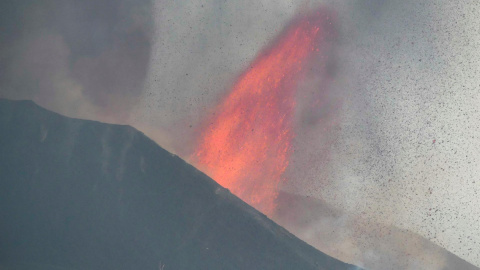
[(398, 143)]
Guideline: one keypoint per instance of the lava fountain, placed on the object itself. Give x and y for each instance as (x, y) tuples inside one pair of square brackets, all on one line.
[(246, 143)]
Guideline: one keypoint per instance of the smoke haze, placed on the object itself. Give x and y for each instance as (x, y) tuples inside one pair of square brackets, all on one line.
[(80, 58), (394, 143)]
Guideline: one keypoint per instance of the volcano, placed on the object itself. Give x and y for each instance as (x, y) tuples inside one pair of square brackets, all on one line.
[(77, 194)]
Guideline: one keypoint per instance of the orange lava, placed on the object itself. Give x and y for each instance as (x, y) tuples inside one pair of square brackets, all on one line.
[(246, 144)]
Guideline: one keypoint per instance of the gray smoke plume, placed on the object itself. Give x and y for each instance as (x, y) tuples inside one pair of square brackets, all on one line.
[(381, 148), (81, 58), (393, 146)]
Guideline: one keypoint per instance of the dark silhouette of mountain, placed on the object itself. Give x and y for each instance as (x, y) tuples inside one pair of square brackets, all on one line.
[(77, 194)]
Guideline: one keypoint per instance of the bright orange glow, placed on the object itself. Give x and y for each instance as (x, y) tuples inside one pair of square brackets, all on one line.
[(245, 146)]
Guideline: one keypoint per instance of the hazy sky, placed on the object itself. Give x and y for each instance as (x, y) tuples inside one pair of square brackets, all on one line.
[(401, 145)]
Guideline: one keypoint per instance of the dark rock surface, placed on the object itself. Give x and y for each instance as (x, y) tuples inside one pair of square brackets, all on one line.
[(77, 194)]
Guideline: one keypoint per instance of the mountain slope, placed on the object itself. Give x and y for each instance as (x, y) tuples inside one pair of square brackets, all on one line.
[(87, 195), (331, 230)]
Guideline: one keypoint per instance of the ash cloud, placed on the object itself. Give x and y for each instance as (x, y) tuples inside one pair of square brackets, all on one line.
[(369, 152), (409, 81), (81, 58), (394, 145)]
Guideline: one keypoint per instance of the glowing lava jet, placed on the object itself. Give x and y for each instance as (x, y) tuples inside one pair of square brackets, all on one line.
[(246, 144)]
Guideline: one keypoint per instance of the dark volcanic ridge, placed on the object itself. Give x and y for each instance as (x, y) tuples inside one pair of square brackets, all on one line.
[(323, 226), (77, 194)]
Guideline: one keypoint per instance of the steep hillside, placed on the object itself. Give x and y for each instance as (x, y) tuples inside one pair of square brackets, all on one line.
[(80, 194)]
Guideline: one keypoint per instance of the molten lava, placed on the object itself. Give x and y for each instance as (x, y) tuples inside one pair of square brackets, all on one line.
[(246, 144)]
